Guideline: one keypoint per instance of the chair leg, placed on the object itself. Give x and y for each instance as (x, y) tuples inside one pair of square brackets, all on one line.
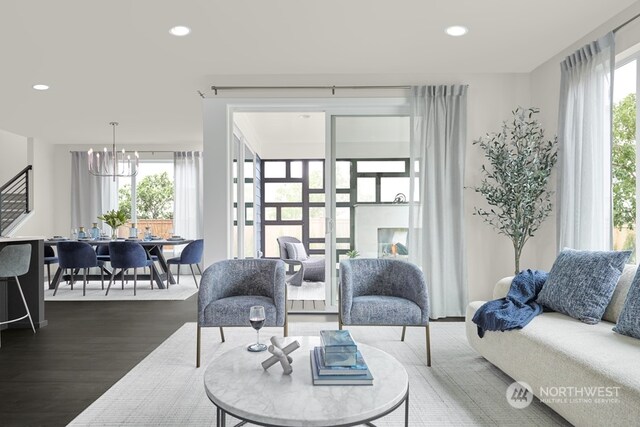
[(404, 330), (178, 274), (25, 304), (168, 274), (49, 273), (102, 277), (198, 267), (194, 275), (84, 282), (123, 272), (111, 280), (198, 348), (221, 334), (428, 338), (151, 276), (135, 280), (72, 279)]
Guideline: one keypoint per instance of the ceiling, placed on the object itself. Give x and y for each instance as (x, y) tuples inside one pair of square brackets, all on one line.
[(116, 61)]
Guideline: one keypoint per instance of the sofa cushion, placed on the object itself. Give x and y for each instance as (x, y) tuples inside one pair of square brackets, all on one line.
[(385, 310), (234, 311), (581, 283), (629, 320), (620, 294), (296, 251)]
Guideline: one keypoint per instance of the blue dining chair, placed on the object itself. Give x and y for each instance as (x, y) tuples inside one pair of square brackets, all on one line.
[(126, 255), (49, 258), (191, 254), (76, 255), (103, 252)]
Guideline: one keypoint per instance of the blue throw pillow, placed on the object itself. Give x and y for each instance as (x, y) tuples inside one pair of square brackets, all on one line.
[(629, 320), (581, 283)]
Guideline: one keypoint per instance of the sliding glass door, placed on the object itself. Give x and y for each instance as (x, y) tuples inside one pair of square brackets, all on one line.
[(368, 190), (246, 201)]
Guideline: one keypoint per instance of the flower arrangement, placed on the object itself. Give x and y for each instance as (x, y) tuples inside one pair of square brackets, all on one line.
[(114, 219)]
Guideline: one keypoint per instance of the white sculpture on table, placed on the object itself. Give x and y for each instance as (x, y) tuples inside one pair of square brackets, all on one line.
[(281, 354)]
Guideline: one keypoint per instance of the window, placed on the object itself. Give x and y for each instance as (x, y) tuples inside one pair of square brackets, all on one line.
[(623, 157), (152, 204), (294, 201)]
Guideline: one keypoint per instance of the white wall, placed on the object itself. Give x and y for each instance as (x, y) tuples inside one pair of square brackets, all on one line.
[(44, 188), (545, 79), (13, 158), (492, 97)]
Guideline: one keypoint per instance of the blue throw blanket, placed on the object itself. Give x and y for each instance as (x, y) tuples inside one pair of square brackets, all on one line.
[(517, 309)]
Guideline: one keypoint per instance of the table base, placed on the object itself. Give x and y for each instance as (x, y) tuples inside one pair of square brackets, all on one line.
[(221, 416)]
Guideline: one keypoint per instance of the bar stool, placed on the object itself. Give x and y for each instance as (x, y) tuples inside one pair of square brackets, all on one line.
[(14, 262)]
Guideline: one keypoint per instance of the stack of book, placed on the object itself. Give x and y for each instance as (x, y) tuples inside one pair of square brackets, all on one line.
[(338, 361)]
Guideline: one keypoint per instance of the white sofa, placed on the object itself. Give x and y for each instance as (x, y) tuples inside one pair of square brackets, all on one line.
[(556, 351)]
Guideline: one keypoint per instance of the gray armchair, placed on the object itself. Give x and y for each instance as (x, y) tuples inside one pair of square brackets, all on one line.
[(384, 292), (229, 288), (310, 268)]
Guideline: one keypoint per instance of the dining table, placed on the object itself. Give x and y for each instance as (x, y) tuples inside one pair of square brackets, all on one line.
[(152, 247)]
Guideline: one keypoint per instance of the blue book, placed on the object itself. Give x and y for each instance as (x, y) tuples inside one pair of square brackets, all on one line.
[(366, 379), (360, 368)]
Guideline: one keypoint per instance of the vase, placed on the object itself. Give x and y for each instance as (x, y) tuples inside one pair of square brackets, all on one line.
[(114, 233)]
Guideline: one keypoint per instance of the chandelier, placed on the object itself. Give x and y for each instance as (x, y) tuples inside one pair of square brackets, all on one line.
[(119, 165)]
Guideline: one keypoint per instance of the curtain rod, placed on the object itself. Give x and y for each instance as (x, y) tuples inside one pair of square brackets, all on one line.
[(143, 151), (615, 30), (215, 89)]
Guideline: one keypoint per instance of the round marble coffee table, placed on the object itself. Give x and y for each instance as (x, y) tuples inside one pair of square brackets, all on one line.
[(236, 383)]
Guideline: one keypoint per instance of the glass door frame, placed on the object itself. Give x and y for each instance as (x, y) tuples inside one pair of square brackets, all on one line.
[(331, 107), (240, 157), (331, 261)]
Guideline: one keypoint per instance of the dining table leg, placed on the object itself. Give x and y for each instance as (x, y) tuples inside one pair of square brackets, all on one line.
[(157, 251)]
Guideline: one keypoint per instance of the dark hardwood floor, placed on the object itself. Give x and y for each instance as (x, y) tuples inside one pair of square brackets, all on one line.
[(47, 379)]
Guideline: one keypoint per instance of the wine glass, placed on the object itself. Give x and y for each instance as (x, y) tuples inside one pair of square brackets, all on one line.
[(257, 318)]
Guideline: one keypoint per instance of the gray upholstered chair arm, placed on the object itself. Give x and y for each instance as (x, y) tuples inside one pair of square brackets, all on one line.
[(346, 291), (211, 287), (280, 292), (407, 281), (293, 262)]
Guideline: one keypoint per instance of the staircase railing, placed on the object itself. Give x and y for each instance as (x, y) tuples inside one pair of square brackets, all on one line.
[(15, 200)]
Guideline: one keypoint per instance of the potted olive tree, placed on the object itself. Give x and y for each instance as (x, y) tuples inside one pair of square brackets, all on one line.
[(515, 182)]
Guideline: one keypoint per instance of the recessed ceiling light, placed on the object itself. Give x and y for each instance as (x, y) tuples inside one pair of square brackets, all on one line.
[(456, 30), (180, 30), (40, 87), (305, 116)]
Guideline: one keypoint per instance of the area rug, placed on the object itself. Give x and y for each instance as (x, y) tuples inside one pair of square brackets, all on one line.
[(460, 389), (177, 292), (308, 291)]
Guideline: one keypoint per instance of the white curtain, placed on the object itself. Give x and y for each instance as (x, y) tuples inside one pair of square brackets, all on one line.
[(187, 217), (438, 144), (90, 195), (584, 147)]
